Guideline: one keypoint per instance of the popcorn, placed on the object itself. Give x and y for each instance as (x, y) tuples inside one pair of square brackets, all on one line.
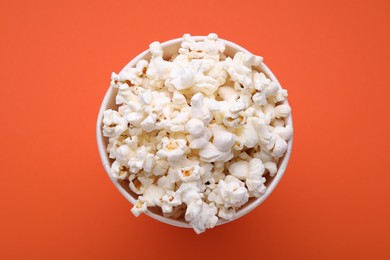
[(118, 171), (247, 135), (196, 134), (149, 123), (189, 174), (139, 207), (280, 148), (226, 213), (200, 134), (239, 169), (271, 168), (113, 123), (139, 182), (182, 78), (152, 195), (179, 100), (206, 218), (136, 163), (165, 183), (282, 111), (123, 154), (231, 192), (228, 94), (210, 153), (223, 139), (255, 181), (172, 149), (169, 201), (160, 168), (199, 109)]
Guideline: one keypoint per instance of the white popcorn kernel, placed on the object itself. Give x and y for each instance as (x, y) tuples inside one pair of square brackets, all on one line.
[(149, 123), (240, 68), (282, 111), (266, 139), (160, 168), (271, 89), (169, 201), (205, 84), (199, 109), (281, 95), (212, 104), (112, 147), (218, 73), (226, 213), (223, 140), (284, 132), (205, 171), (131, 76), (179, 120), (194, 208), (118, 171), (145, 96), (138, 183), (179, 100), (200, 135), (210, 153), (136, 163), (263, 155), (255, 181), (256, 168), (123, 154), (212, 36), (142, 65), (206, 219), (200, 142), (165, 183), (152, 195), (182, 78), (280, 148), (195, 127), (134, 131), (237, 107), (156, 49), (139, 207), (260, 81), (259, 99), (114, 80), (233, 119), (228, 94), (177, 212), (278, 122), (233, 192), (248, 136), (239, 169), (190, 195), (113, 123), (149, 163), (244, 156), (256, 188), (132, 142), (135, 118), (172, 149), (124, 95), (269, 112), (189, 173), (271, 168)]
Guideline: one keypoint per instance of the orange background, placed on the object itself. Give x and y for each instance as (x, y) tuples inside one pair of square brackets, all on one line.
[(56, 59)]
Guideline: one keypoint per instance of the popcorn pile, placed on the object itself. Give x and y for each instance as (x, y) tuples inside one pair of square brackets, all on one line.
[(197, 134)]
